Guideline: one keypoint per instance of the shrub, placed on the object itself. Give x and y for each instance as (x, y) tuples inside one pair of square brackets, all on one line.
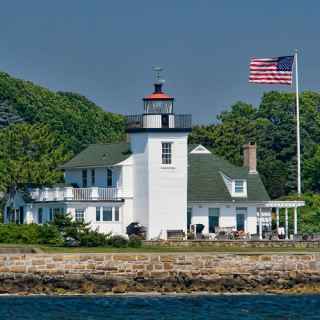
[(93, 239), (118, 241), (49, 234), (135, 242), (23, 233)]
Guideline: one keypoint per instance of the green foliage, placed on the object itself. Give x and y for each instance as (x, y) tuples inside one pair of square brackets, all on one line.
[(29, 234), (49, 234), (57, 125), (29, 154), (308, 216), (60, 231), (70, 228), (12, 233), (272, 126), (118, 241), (312, 171), (92, 238), (79, 231), (135, 241)]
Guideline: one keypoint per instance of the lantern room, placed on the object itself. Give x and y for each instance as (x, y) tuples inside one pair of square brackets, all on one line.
[(158, 102), (158, 114)]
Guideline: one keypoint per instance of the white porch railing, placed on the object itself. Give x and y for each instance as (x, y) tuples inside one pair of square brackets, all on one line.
[(74, 194), (82, 193)]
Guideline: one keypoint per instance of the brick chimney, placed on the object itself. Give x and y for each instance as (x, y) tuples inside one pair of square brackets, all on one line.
[(250, 157)]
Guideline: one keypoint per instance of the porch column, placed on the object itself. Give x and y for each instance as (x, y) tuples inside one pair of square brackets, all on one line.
[(260, 224), (277, 218), (295, 220), (286, 221)]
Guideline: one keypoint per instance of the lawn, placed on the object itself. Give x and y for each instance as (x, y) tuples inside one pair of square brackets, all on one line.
[(154, 249), (160, 249)]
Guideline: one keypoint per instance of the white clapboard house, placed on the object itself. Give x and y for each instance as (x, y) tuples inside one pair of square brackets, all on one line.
[(156, 179)]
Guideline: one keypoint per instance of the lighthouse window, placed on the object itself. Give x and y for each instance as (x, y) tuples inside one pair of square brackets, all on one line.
[(166, 152)]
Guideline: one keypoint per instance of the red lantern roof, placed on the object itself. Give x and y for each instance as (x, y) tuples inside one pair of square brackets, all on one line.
[(158, 94)]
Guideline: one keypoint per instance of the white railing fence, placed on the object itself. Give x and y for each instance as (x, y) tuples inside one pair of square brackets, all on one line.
[(108, 193), (75, 194), (82, 194)]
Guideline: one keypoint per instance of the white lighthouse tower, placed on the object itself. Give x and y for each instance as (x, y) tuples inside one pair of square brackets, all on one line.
[(159, 141)]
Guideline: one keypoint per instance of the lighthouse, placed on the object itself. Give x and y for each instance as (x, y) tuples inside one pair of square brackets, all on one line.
[(159, 146)]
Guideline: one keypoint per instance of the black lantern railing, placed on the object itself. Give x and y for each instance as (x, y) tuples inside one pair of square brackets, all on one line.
[(180, 121)]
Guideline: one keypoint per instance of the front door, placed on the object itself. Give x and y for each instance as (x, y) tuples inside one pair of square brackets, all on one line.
[(214, 216)]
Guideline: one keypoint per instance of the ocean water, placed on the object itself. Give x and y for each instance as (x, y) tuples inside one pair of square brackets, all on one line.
[(187, 307)]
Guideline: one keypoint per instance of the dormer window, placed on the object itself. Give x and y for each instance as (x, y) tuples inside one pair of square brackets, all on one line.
[(236, 187), (239, 186)]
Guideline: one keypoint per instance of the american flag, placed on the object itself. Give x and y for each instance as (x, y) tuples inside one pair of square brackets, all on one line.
[(271, 70)]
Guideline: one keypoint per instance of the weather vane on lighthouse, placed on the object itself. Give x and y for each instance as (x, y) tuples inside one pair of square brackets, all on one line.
[(158, 71)]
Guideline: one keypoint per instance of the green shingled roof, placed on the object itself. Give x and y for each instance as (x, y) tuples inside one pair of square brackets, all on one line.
[(99, 155), (206, 184)]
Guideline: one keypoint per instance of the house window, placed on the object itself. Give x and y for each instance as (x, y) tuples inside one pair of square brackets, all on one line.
[(40, 215), (98, 216), (107, 214), (21, 215), (109, 178), (239, 186), (93, 177), (189, 217), (84, 178), (79, 215), (54, 211), (9, 215), (214, 216), (166, 152), (241, 214), (116, 214)]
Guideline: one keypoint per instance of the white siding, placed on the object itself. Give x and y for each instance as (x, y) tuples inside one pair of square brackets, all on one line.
[(160, 191), (139, 143)]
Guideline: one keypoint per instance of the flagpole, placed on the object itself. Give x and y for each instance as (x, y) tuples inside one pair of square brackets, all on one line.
[(298, 124)]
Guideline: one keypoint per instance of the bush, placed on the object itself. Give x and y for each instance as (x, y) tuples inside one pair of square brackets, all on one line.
[(93, 239), (49, 234), (118, 241), (19, 233), (135, 242)]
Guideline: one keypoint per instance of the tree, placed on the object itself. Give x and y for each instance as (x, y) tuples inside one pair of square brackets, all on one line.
[(29, 155)]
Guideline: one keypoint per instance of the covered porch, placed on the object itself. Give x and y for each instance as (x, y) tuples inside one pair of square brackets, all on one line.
[(279, 207)]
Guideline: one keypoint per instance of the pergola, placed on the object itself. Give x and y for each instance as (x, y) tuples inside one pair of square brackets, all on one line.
[(277, 204)]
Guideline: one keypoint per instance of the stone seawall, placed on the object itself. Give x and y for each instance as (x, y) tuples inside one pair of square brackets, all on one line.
[(179, 272), (235, 243)]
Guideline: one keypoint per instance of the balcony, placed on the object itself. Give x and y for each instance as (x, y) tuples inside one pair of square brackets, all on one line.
[(75, 194), (159, 122)]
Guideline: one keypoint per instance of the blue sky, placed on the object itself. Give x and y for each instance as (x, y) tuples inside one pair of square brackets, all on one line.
[(105, 49)]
